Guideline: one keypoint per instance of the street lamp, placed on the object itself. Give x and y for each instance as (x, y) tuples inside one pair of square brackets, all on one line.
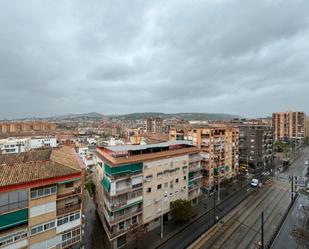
[(164, 197)]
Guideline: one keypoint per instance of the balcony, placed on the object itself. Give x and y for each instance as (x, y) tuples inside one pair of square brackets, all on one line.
[(72, 192), (127, 215), (63, 209)]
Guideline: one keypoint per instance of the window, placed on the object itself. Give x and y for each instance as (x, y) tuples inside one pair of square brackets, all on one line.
[(68, 218), (42, 192), (71, 237), (69, 185), (148, 190), (166, 185), (176, 180), (13, 200), (185, 177), (122, 240), (42, 227), (171, 184), (121, 226), (159, 186), (134, 220), (160, 174), (13, 237)]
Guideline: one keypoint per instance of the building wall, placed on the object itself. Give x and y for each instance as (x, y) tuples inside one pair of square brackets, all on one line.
[(288, 125), (42, 210), (161, 175)]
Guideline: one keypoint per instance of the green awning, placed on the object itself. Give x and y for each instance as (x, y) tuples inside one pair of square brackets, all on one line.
[(71, 180), (13, 219), (128, 168), (106, 183), (191, 174)]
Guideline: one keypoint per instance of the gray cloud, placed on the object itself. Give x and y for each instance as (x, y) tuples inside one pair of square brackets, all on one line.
[(247, 58)]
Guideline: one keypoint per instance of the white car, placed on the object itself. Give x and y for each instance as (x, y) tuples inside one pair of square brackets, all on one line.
[(307, 162), (254, 183)]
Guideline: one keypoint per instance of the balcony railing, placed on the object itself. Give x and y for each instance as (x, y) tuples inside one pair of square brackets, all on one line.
[(68, 208), (75, 191), (114, 220)]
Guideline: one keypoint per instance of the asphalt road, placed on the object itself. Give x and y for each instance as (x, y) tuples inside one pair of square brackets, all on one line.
[(184, 238), (242, 227), (295, 216)]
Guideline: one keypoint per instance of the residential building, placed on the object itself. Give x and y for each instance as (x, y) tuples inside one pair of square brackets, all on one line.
[(40, 200), (256, 147), (135, 185), (307, 128), (219, 150), (17, 145), (27, 126), (154, 125), (289, 125)]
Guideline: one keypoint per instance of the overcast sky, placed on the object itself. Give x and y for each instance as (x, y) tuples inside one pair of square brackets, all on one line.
[(241, 57)]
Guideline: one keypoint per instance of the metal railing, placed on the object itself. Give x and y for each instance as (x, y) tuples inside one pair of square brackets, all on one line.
[(68, 208)]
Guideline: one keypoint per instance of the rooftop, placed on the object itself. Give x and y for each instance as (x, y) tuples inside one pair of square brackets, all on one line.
[(121, 148), (37, 165), (116, 155)]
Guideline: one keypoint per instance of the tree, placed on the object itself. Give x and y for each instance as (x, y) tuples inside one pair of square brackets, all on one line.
[(181, 210)]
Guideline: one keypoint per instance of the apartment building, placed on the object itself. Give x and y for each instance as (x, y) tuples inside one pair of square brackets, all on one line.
[(40, 200), (256, 152), (17, 145), (154, 125), (219, 150), (289, 125), (307, 128), (135, 185), (28, 126)]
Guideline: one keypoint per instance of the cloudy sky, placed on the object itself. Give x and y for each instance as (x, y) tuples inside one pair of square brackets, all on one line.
[(114, 56)]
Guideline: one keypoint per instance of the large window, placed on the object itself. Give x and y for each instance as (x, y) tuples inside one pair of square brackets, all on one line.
[(43, 227), (12, 238), (42, 192), (13, 200), (71, 237), (68, 218)]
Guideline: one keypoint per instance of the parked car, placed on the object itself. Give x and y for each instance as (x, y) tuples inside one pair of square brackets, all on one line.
[(254, 183), (307, 162)]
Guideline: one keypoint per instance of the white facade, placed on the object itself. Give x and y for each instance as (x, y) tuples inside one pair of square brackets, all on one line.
[(18, 145), (43, 142), (15, 145)]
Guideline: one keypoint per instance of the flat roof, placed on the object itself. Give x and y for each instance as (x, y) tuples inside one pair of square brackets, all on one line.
[(131, 147)]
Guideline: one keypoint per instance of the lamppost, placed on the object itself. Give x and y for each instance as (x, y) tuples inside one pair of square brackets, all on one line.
[(164, 197)]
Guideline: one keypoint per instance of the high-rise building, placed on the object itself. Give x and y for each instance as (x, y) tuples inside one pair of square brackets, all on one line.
[(135, 185), (307, 128), (153, 125), (256, 152), (219, 150), (40, 200), (289, 125)]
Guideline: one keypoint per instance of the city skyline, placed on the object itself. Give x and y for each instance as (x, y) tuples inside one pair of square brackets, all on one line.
[(180, 56)]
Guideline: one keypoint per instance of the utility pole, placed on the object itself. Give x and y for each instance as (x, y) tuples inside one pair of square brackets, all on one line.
[(292, 188), (262, 231), (215, 208)]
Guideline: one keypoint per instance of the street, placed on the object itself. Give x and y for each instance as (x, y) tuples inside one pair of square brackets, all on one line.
[(295, 217), (242, 227)]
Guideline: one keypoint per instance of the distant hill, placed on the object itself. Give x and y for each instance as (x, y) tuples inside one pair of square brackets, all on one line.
[(142, 115), (185, 116), (75, 116)]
